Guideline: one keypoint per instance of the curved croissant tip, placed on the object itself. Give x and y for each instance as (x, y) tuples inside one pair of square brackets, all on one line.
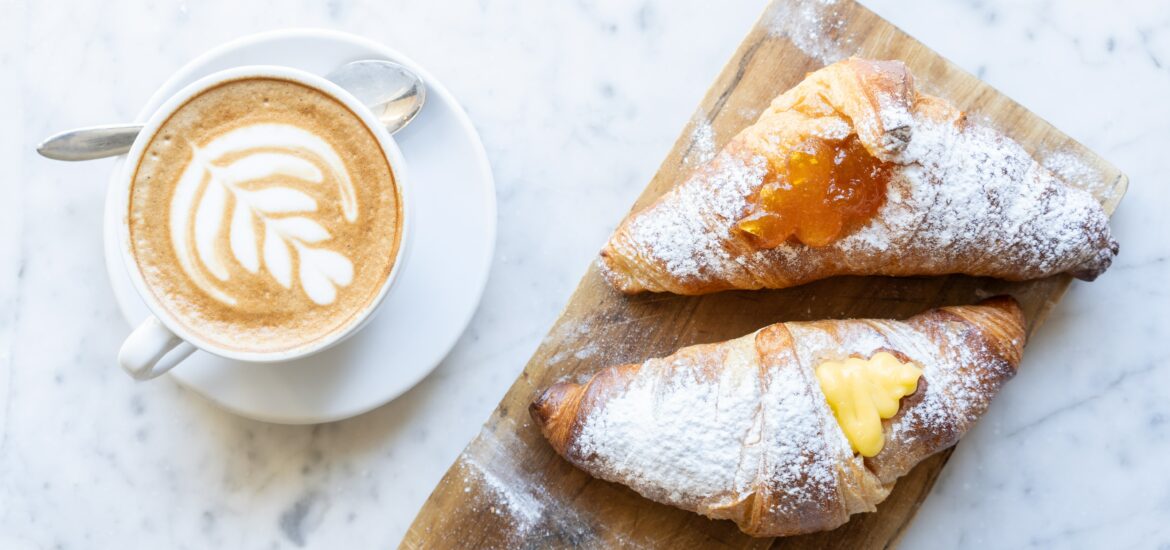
[(545, 405), (1104, 259), (548, 410)]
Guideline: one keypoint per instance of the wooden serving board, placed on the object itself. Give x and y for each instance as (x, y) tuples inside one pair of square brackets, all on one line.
[(510, 490)]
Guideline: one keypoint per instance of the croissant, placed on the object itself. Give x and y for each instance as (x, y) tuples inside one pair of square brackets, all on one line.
[(855, 172), (742, 430)]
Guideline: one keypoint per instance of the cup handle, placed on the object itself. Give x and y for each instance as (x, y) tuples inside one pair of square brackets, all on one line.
[(152, 350)]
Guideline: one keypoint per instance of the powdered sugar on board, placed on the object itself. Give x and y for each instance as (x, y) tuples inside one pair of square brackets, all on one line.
[(817, 27), (573, 341), (586, 340), (519, 504), (523, 511), (702, 148), (1072, 168)]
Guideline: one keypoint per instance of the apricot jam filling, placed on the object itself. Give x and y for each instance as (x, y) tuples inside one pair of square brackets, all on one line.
[(817, 194)]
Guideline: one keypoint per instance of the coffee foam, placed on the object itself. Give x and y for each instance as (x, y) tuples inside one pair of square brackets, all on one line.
[(266, 243), (321, 270)]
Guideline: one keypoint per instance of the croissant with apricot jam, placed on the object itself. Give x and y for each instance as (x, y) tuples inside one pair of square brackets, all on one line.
[(855, 172)]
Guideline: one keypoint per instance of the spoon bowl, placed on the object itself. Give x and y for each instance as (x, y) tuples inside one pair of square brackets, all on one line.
[(392, 92)]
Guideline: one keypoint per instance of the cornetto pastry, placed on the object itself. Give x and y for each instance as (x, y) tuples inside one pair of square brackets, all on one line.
[(855, 172), (795, 427)]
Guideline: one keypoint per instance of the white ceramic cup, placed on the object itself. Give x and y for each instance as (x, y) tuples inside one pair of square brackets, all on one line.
[(161, 342)]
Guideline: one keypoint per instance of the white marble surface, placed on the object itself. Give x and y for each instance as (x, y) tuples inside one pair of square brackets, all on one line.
[(577, 103)]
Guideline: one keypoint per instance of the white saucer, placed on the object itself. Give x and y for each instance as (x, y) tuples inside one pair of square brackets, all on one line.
[(437, 292)]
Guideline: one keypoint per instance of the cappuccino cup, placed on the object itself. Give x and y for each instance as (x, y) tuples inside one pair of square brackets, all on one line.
[(263, 217)]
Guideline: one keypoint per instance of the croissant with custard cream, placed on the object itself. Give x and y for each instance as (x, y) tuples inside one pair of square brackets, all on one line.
[(795, 427), (855, 172)]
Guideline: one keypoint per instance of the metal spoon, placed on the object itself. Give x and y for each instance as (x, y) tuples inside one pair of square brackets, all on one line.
[(392, 92)]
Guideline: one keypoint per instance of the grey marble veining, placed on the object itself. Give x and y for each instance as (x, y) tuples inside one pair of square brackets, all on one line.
[(569, 98)]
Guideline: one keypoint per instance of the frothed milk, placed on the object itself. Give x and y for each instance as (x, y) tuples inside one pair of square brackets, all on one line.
[(264, 215)]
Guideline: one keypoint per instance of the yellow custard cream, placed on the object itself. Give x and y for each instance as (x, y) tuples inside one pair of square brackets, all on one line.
[(863, 392)]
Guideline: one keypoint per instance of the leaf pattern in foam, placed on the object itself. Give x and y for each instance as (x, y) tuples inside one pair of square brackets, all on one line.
[(279, 200), (242, 238), (208, 219), (289, 137), (322, 271), (191, 181), (272, 203), (265, 165), (302, 229), (277, 258)]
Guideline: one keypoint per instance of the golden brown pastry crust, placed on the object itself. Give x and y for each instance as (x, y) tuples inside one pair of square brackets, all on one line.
[(686, 243), (967, 353)]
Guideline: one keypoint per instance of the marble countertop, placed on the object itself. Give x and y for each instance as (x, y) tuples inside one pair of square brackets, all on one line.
[(1073, 454)]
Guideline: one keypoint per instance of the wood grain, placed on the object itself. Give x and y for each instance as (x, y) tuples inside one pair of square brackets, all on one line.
[(510, 490)]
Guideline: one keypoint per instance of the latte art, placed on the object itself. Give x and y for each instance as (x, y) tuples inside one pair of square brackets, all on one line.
[(264, 215), (210, 195)]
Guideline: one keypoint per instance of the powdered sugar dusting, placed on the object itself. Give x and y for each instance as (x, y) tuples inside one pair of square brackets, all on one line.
[(510, 499), (1072, 168), (962, 377), (675, 435), (967, 193), (801, 441), (687, 237), (946, 392), (582, 339), (571, 337), (748, 113), (702, 142), (816, 27), (496, 487)]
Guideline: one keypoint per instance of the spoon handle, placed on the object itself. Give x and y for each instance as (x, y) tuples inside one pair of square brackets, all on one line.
[(90, 143)]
